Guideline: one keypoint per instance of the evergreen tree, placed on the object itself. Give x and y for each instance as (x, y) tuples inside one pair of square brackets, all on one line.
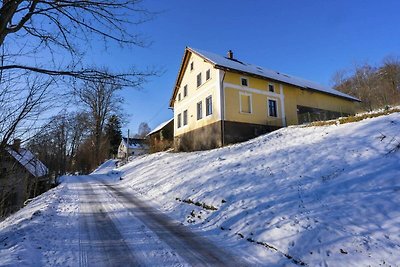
[(113, 134)]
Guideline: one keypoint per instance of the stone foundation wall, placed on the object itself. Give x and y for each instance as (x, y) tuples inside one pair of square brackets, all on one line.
[(209, 137)]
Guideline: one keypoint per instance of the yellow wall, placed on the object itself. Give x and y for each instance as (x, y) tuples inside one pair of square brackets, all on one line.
[(292, 96), (258, 89), (286, 96), (295, 96), (196, 94)]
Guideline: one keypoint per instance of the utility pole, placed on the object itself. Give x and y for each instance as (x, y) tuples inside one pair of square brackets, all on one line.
[(127, 147)]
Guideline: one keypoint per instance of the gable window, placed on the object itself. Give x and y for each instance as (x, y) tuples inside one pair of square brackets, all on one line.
[(245, 103), (208, 75), (209, 109), (198, 79), (272, 108), (179, 97), (244, 81), (179, 120), (271, 87), (185, 118), (191, 66), (199, 110), (185, 91)]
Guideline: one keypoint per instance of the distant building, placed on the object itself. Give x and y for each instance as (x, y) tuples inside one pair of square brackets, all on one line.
[(132, 147), (162, 137), (221, 100), (22, 176)]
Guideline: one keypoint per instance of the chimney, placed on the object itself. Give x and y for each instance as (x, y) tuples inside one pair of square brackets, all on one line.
[(16, 145), (230, 54)]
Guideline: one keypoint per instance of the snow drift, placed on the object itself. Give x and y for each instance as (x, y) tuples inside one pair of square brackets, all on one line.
[(319, 195)]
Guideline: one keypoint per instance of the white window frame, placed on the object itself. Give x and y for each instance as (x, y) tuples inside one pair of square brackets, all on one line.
[(209, 74), (273, 87), (197, 79), (240, 103), (247, 81), (276, 107), (179, 121), (209, 97), (199, 109), (185, 122)]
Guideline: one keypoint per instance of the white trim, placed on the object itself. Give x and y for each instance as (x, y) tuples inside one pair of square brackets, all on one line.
[(218, 94), (184, 96), (185, 104), (187, 117), (201, 80), (282, 98), (201, 110), (240, 103), (273, 85), (276, 106), (251, 90), (244, 78), (212, 108), (179, 120), (209, 71)]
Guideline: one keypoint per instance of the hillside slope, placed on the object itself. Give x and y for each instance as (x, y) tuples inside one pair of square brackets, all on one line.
[(319, 195), (316, 196)]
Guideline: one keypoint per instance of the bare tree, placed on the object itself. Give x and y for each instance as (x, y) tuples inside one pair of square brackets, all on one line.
[(143, 130), (100, 100), (43, 27), (22, 104), (375, 86)]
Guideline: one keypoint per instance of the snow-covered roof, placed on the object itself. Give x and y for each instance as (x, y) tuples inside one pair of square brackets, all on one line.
[(29, 161), (134, 143), (234, 64), (159, 127)]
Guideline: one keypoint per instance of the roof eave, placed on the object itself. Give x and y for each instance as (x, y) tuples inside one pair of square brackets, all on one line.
[(275, 80), (183, 66)]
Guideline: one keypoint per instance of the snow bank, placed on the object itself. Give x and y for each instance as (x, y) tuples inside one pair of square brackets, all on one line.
[(314, 195), (322, 195), (44, 233)]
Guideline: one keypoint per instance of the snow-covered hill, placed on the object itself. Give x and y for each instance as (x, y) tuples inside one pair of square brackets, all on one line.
[(320, 196)]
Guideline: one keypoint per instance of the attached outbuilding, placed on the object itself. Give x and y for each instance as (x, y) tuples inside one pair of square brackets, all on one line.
[(162, 137)]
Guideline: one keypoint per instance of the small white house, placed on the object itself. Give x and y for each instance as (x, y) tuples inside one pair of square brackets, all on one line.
[(132, 147)]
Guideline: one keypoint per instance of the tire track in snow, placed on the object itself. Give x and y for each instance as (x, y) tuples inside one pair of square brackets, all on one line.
[(194, 249), (101, 243)]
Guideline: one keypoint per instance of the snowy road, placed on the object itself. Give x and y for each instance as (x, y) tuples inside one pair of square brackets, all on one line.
[(119, 229)]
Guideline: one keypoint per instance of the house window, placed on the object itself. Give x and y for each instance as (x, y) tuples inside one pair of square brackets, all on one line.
[(272, 108), (244, 81), (185, 91), (179, 97), (199, 110), (209, 106), (198, 79), (245, 103), (271, 87), (185, 118), (207, 75), (191, 66), (179, 120)]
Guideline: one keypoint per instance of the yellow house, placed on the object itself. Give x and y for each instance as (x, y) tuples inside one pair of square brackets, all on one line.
[(220, 100)]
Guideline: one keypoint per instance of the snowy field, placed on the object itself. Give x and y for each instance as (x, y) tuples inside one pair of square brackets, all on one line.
[(318, 196)]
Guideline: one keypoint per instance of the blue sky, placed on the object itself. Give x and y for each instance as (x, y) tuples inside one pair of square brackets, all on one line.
[(309, 39)]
